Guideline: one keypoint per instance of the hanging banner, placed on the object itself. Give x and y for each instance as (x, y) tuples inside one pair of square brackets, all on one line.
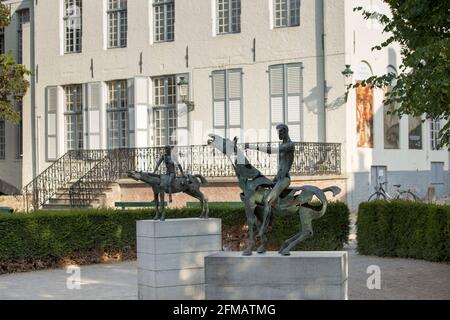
[(364, 115)]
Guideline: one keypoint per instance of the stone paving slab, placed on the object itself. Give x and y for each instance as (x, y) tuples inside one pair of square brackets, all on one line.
[(98, 282), (400, 279)]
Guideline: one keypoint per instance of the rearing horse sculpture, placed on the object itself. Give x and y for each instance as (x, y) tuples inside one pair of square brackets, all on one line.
[(255, 187), (188, 184)]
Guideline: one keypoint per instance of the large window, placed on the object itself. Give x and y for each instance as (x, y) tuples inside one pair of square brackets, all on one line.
[(286, 13), (164, 20), (117, 110), (23, 16), (227, 102), (2, 140), (2, 41), (435, 127), (228, 16), (286, 87), (72, 25), (117, 23), (165, 110), (73, 114)]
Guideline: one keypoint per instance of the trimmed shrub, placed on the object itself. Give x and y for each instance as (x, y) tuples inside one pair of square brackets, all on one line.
[(56, 234), (404, 229)]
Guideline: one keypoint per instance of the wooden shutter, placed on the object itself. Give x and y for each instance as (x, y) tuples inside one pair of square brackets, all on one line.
[(294, 100), (286, 95), (234, 104), (276, 98), (219, 102), (51, 123)]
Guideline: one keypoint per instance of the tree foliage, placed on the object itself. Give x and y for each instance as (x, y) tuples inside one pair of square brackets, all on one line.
[(4, 15), (422, 86), (13, 84)]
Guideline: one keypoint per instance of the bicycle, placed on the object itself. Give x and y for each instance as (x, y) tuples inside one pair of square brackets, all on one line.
[(381, 194)]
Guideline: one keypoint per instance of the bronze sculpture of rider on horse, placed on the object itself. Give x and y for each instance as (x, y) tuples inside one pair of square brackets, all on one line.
[(170, 169), (282, 180)]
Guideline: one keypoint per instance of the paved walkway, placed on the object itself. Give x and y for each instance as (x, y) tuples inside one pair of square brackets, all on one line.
[(400, 279)]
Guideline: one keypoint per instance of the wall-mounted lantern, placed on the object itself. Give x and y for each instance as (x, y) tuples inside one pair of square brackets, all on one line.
[(183, 92), (348, 77)]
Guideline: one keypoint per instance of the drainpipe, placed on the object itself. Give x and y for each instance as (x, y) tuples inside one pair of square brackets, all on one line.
[(33, 89), (324, 74)]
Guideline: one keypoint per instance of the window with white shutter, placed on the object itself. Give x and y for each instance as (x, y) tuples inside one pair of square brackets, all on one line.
[(117, 110), (73, 115), (165, 113), (227, 102), (286, 86)]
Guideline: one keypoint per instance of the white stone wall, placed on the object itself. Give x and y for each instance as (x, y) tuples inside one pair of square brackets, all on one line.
[(195, 29)]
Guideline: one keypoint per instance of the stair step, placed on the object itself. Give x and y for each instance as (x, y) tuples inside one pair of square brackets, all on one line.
[(66, 201), (66, 189)]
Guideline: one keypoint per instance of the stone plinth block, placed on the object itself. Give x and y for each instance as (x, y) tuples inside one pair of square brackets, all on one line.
[(171, 257), (314, 275)]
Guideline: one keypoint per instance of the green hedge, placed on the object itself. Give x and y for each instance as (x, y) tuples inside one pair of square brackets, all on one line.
[(404, 229), (56, 234)]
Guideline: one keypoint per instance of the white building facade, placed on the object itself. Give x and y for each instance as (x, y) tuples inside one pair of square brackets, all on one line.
[(105, 75)]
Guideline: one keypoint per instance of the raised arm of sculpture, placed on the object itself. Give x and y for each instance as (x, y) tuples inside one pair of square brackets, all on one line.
[(285, 147)]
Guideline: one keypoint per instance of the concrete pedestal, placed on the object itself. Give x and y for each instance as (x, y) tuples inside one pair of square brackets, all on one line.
[(303, 275), (171, 257)]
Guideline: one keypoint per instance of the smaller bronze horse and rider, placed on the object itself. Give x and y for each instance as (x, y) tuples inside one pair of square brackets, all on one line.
[(170, 183)]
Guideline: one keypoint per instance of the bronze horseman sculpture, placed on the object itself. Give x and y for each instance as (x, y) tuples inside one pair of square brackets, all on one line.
[(170, 183), (265, 199)]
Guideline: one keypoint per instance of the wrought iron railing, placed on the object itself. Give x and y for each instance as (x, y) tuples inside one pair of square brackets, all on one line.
[(93, 171), (70, 167), (115, 165), (310, 159)]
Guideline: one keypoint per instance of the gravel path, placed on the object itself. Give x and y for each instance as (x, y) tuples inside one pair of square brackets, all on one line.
[(400, 279)]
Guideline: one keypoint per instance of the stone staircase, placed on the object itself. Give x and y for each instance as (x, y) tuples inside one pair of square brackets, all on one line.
[(51, 189), (61, 199)]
